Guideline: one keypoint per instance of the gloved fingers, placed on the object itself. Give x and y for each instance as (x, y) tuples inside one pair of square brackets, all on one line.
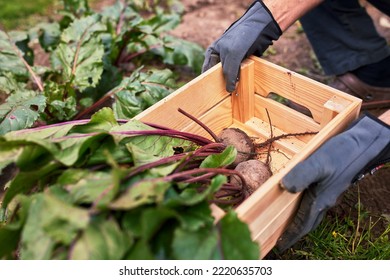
[(211, 58), (230, 66), (307, 218), (304, 174), (231, 69)]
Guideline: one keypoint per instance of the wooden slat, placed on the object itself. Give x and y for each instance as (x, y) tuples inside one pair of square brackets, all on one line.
[(290, 145), (332, 107), (243, 97), (196, 97), (291, 85), (277, 224), (218, 118), (287, 119)]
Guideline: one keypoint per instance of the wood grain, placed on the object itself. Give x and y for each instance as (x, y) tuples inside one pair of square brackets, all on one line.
[(269, 209)]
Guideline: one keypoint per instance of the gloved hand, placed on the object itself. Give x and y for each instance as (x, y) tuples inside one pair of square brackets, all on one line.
[(251, 34), (329, 171)]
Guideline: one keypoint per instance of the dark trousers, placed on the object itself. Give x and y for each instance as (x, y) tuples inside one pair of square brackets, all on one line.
[(343, 35)]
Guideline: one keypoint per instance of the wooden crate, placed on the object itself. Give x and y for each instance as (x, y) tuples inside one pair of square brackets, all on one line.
[(269, 209)]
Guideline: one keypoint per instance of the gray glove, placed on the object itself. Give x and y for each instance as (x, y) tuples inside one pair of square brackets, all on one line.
[(327, 173), (251, 34)]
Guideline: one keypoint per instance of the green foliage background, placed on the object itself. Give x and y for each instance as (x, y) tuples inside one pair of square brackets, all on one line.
[(14, 14), (120, 54)]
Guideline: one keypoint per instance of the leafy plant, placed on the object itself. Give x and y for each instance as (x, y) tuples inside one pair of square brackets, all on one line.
[(108, 189), (95, 57)]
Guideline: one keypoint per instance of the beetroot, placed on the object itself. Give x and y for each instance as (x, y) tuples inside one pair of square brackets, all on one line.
[(241, 141), (254, 172)]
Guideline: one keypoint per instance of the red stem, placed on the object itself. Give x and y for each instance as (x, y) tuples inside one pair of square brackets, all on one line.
[(209, 131)]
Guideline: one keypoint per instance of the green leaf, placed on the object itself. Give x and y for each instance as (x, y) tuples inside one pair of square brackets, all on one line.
[(50, 221), (140, 91), (153, 219), (32, 158), (127, 105), (36, 135), (9, 83), (21, 110), (102, 120), (101, 240), (25, 181), (195, 245), (161, 243), (191, 196), (89, 187), (10, 56), (131, 221), (8, 154), (160, 22), (49, 35), (10, 233), (9, 236), (119, 154), (176, 51), (157, 85), (22, 40), (232, 229), (195, 217), (141, 156), (140, 251), (77, 150), (223, 159), (141, 193), (67, 149), (119, 9), (61, 102), (80, 52), (149, 148)]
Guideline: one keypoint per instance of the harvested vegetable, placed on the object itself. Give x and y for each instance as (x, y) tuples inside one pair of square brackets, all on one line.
[(109, 189), (255, 173), (241, 141)]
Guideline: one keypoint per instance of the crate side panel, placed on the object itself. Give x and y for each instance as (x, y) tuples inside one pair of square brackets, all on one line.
[(243, 97), (277, 224), (291, 85), (196, 98), (216, 119), (283, 117)]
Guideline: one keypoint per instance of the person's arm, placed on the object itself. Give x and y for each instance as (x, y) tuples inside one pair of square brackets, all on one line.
[(286, 13)]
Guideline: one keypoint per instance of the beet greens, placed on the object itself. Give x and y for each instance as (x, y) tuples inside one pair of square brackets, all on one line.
[(133, 190)]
